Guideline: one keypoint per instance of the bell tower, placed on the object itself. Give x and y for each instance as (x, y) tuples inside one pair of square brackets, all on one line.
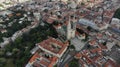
[(71, 27)]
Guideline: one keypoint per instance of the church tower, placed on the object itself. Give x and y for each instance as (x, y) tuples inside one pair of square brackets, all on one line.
[(71, 27)]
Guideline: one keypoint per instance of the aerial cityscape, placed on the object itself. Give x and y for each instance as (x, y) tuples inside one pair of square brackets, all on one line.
[(59, 33)]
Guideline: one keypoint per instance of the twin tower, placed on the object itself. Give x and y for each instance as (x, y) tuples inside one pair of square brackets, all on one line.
[(68, 29), (71, 27)]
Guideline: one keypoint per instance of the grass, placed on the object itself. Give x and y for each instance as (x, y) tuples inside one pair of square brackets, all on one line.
[(9, 63)]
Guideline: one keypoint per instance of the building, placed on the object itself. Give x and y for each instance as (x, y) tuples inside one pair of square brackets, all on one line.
[(68, 28), (53, 46), (49, 52), (38, 60), (94, 58), (71, 28)]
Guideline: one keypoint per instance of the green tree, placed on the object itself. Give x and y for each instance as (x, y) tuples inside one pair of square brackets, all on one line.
[(74, 63), (2, 61), (117, 13), (2, 52), (82, 3), (18, 41), (72, 47)]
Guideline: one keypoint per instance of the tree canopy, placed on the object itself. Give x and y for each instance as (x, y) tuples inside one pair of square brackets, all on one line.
[(117, 13)]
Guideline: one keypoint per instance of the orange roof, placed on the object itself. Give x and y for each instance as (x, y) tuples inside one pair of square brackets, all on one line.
[(78, 55), (81, 62), (48, 45), (77, 33), (48, 62), (18, 14), (92, 42), (58, 26), (96, 50), (43, 62), (10, 15), (66, 22), (54, 60), (50, 20), (66, 65), (34, 57), (102, 46), (99, 35), (96, 58), (89, 61), (109, 13), (110, 63)]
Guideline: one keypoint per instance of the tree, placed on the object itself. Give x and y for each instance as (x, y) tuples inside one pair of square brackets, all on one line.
[(1, 37), (46, 10), (2, 52), (89, 28), (18, 40), (88, 46), (8, 48), (55, 65), (74, 63), (117, 13), (72, 47), (104, 43), (2, 61), (15, 50), (82, 4)]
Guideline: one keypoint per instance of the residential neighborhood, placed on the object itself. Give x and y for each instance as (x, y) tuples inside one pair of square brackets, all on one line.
[(60, 33)]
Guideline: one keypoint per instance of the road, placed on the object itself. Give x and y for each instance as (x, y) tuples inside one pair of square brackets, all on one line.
[(62, 58), (68, 56)]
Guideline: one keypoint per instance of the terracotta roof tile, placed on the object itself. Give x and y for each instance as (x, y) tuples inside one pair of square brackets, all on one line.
[(110, 63), (34, 57), (49, 43)]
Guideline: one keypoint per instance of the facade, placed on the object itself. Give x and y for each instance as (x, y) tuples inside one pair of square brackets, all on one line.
[(48, 53), (53, 46), (71, 28), (67, 29)]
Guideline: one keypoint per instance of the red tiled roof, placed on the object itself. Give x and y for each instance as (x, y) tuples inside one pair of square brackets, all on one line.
[(34, 57), (48, 62), (92, 42), (99, 35), (47, 44), (66, 65), (18, 14), (10, 15), (43, 62), (78, 55), (50, 20), (81, 62), (88, 60), (54, 60), (77, 33), (110, 63), (102, 46), (96, 58), (96, 50), (109, 13)]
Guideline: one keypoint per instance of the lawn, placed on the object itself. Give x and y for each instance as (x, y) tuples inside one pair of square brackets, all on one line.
[(9, 63)]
